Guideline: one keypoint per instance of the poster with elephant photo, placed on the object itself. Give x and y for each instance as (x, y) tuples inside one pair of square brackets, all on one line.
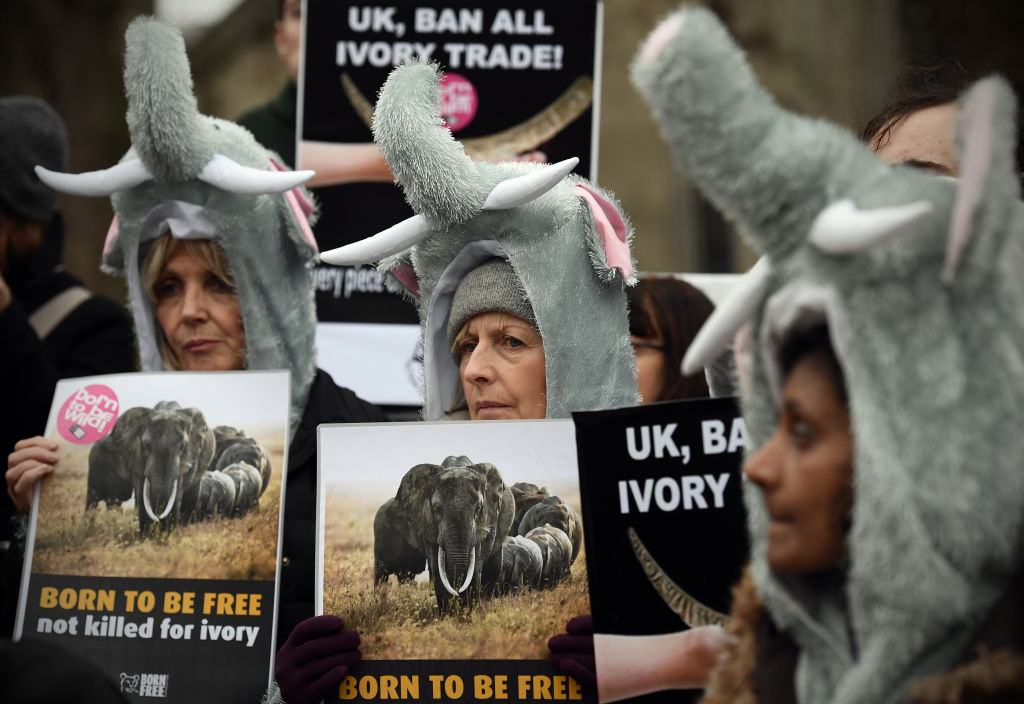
[(152, 547), (455, 549)]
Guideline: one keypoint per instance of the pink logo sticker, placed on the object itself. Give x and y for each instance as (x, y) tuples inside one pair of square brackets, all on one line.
[(88, 414), (458, 101)]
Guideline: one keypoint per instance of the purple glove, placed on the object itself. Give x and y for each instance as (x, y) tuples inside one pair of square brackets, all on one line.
[(572, 652), (315, 659)]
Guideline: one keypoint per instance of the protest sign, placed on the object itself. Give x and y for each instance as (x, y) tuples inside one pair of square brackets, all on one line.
[(152, 549), (662, 501), (455, 550), (518, 79)]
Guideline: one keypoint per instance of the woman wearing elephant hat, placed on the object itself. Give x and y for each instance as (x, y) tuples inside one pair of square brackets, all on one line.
[(213, 238)]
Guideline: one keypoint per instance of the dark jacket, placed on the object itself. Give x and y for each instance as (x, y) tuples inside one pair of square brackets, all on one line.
[(328, 403), (273, 123), (759, 666)]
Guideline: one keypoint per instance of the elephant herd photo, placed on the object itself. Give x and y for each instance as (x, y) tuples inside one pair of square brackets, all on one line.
[(164, 493), (435, 554)]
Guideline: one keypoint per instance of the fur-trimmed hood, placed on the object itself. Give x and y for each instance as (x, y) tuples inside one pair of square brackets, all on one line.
[(566, 239), (918, 278), (202, 177)]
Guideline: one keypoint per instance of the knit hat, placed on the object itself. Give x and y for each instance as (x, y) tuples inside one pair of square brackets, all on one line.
[(31, 132), (491, 287)]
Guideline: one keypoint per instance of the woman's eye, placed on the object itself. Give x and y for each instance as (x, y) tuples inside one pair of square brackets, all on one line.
[(166, 289), (513, 341), (801, 433), (467, 347)]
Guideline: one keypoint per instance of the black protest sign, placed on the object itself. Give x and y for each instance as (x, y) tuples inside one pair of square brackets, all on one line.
[(662, 501)]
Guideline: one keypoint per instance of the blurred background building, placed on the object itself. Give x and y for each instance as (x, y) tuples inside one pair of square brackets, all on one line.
[(831, 58)]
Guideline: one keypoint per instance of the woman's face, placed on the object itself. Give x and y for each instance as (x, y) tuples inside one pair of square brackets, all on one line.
[(502, 368), (804, 472), (198, 313), (650, 367)]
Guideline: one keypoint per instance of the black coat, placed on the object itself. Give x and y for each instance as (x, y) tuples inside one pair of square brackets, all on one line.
[(327, 403)]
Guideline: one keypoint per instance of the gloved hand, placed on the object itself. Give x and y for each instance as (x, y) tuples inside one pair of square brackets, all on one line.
[(315, 659), (572, 652)]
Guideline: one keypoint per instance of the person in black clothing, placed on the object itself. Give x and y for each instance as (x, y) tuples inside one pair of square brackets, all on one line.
[(52, 327)]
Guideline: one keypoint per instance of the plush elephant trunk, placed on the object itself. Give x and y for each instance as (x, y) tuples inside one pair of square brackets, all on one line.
[(439, 180), (442, 560)]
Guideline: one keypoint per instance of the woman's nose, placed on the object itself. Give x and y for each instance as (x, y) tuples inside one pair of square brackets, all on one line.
[(194, 304), (478, 368), (763, 467)]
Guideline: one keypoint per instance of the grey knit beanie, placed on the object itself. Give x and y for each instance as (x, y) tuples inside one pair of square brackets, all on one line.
[(491, 287), (31, 132)]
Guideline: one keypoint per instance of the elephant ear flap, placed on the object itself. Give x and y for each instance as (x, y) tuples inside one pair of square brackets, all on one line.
[(416, 483), (399, 269), (609, 235)]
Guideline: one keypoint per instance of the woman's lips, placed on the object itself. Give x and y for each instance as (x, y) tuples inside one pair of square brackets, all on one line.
[(485, 407), (200, 345)]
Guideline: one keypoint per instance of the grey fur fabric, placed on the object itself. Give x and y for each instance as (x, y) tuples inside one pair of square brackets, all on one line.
[(552, 242), (927, 325), (260, 232)]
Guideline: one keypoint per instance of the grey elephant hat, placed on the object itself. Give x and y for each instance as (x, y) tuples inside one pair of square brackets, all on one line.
[(201, 177), (31, 132), (491, 287), (918, 278), (566, 240)]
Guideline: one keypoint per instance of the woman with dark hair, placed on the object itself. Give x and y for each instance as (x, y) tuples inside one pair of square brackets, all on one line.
[(665, 314)]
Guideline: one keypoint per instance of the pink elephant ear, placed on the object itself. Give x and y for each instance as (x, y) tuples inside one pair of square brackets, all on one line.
[(111, 236), (300, 205), (610, 227), (407, 275)]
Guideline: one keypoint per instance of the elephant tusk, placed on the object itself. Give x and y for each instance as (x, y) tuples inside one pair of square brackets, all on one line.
[(395, 239), (469, 572), (441, 572), (170, 501), (149, 506), (692, 612), (119, 177), (228, 175), (145, 500)]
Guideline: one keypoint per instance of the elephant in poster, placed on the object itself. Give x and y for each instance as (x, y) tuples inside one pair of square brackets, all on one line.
[(236, 479), (552, 511), (522, 565), (392, 552), (556, 551), (454, 515), (177, 467), (526, 496), (158, 455)]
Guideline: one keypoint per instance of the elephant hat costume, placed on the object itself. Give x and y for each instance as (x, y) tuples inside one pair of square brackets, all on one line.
[(918, 279), (201, 177), (566, 240)]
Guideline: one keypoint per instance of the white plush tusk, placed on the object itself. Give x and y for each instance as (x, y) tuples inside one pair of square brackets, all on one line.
[(514, 192), (228, 175), (727, 318), (469, 574), (842, 228), (119, 177), (385, 243)]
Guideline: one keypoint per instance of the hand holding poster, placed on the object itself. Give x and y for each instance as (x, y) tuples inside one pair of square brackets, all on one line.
[(153, 545), (455, 550), (666, 539)]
